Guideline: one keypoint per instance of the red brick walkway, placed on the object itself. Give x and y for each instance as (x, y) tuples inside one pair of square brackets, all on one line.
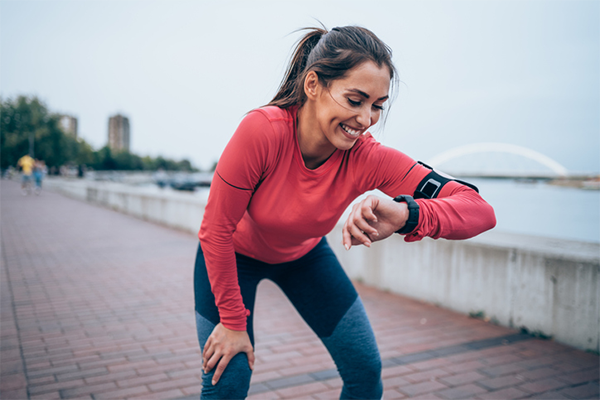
[(99, 305)]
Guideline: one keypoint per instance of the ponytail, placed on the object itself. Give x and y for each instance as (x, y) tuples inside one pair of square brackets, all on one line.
[(331, 55), (290, 92)]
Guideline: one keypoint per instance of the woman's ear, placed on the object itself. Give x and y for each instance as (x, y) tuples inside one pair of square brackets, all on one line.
[(311, 85)]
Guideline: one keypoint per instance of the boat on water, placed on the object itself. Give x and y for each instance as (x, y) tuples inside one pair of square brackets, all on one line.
[(591, 184)]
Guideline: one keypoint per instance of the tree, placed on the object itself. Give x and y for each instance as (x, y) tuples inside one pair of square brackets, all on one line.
[(24, 116)]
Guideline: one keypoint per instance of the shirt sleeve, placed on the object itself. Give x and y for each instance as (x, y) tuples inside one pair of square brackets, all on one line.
[(238, 172), (458, 212)]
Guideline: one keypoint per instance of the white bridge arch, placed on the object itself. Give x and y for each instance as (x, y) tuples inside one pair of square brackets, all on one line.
[(498, 147)]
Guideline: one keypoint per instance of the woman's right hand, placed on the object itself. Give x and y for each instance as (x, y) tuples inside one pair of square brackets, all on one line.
[(223, 344)]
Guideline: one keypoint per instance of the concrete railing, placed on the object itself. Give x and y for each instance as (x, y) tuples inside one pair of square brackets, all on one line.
[(550, 287), (167, 207)]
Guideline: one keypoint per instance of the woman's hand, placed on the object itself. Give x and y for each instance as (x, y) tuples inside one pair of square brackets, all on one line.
[(223, 344), (373, 219)]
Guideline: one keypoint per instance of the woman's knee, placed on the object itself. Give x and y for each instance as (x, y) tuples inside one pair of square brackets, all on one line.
[(354, 350), (234, 382), (362, 378)]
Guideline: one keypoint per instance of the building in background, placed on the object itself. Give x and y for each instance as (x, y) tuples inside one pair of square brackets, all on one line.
[(69, 124), (118, 133)]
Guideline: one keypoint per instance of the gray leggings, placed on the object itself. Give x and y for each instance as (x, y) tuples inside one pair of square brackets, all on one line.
[(320, 290)]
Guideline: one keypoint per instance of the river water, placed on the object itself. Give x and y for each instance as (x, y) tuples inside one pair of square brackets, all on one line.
[(541, 209)]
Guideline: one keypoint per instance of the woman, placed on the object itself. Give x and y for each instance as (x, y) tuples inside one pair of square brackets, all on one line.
[(284, 180)]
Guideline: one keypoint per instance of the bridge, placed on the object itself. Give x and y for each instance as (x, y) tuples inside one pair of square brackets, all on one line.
[(552, 169)]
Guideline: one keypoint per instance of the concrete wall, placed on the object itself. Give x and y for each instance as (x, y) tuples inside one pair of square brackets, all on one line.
[(549, 286)]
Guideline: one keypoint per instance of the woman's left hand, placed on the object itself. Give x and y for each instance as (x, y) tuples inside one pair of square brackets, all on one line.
[(373, 219)]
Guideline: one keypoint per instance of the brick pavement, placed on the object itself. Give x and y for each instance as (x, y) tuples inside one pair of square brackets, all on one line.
[(99, 305)]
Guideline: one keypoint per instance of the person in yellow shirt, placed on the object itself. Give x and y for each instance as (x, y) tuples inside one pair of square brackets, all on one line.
[(26, 164)]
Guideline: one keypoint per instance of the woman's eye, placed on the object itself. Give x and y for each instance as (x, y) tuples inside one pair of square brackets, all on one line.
[(354, 103), (380, 108)]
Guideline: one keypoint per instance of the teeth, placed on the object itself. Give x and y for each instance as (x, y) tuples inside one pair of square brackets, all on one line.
[(350, 131)]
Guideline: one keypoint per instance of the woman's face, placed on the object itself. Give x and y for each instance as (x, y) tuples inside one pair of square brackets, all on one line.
[(349, 106)]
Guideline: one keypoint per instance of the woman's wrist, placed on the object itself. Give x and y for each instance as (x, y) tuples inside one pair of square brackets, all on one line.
[(410, 214)]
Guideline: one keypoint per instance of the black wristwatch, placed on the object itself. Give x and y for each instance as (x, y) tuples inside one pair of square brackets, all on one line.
[(413, 214)]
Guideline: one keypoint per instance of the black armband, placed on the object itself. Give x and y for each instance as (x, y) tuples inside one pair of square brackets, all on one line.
[(430, 186)]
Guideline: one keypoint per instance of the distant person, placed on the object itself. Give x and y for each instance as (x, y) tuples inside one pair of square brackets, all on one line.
[(38, 174), (282, 183), (26, 164), (161, 178)]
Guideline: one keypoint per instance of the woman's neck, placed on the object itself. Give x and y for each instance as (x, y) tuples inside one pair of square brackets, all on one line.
[(314, 146)]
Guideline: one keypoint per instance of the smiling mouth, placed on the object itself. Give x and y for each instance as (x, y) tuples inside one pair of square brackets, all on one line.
[(350, 131)]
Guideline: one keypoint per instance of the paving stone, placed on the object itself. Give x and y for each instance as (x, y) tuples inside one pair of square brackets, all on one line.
[(581, 377), (502, 369), (543, 385), (504, 394), (425, 375), (501, 382), (461, 379), (302, 390), (461, 392), (422, 388), (589, 390), (121, 393), (551, 395)]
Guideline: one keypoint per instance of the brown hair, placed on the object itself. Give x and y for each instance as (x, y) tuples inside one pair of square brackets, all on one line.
[(331, 55)]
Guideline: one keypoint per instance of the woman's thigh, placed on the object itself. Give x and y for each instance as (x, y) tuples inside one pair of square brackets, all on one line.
[(318, 288), (324, 296), (250, 272)]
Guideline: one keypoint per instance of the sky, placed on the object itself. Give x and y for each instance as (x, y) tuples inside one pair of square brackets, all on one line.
[(524, 73)]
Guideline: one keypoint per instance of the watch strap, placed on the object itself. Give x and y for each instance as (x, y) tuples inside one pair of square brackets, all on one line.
[(413, 214)]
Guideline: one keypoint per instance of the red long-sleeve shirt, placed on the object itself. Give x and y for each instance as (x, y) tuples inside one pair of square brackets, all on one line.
[(264, 203)]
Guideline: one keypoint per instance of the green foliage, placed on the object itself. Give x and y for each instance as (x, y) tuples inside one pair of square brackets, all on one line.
[(535, 333), (477, 314), (25, 116)]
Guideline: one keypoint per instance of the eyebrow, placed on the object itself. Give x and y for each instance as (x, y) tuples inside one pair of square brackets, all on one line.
[(366, 96)]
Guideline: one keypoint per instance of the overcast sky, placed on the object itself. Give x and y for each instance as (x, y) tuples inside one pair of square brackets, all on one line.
[(185, 72)]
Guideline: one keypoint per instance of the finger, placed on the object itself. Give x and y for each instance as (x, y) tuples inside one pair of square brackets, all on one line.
[(212, 361), (360, 229), (250, 354), (368, 207), (363, 225), (220, 368), (207, 345), (346, 237), (365, 209), (359, 235), (208, 353)]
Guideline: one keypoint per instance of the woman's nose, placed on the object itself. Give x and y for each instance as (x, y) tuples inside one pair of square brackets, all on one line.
[(364, 117)]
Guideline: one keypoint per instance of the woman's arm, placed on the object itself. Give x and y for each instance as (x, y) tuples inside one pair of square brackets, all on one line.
[(239, 170), (459, 213), (456, 212)]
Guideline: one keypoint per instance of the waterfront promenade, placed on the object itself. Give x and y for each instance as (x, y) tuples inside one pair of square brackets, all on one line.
[(99, 305)]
